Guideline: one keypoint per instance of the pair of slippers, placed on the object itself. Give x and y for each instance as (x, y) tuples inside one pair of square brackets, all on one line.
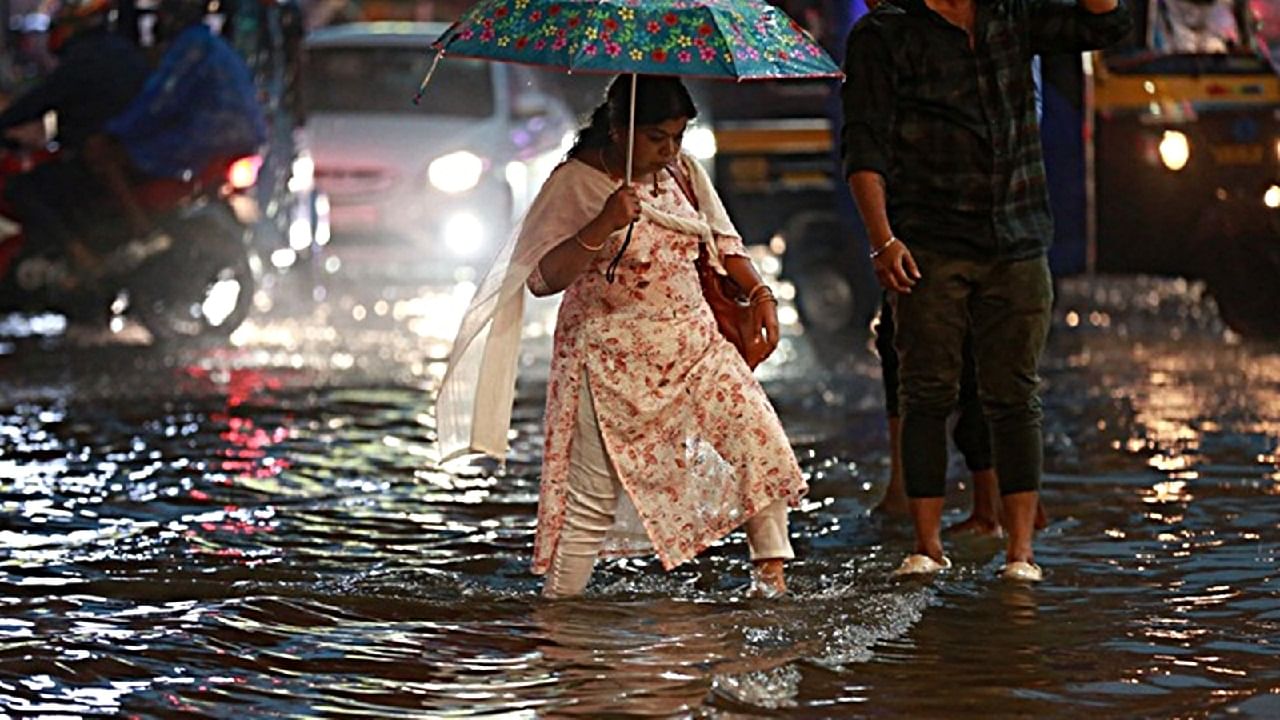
[(921, 564)]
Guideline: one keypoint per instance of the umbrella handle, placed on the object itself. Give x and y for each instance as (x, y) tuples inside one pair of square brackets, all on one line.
[(631, 129), (612, 272)]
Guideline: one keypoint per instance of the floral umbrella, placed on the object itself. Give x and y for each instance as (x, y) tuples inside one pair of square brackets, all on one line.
[(729, 39)]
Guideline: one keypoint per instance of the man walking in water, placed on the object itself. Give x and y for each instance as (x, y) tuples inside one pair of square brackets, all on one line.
[(942, 154)]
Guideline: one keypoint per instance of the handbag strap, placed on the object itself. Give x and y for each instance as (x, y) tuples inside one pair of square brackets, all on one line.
[(683, 182)]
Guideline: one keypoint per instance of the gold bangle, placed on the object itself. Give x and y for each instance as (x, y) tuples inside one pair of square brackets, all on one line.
[(760, 293), (577, 237)]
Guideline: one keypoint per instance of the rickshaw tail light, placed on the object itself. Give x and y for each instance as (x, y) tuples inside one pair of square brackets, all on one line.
[(1175, 149)]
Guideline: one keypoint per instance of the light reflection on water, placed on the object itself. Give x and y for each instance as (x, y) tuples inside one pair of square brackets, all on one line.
[(263, 530)]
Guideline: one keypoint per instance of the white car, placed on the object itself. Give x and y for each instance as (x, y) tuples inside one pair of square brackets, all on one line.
[(448, 176)]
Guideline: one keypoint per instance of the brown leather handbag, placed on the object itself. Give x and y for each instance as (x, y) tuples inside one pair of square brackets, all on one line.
[(727, 300)]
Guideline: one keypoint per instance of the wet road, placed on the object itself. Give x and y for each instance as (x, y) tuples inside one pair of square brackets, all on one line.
[(261, 531)]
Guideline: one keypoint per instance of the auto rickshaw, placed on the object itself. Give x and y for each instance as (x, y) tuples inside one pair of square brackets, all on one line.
[(1179, 160)]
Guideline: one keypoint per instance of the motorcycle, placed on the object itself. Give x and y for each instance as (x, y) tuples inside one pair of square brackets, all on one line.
[(195, 280)]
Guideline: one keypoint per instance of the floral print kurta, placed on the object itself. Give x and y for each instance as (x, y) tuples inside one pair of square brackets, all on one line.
[(695, 441)]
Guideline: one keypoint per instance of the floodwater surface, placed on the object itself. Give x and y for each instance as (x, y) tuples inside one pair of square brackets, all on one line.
[(263, 531)]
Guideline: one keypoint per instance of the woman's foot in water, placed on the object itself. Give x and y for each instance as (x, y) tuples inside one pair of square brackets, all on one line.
[(767, 579)]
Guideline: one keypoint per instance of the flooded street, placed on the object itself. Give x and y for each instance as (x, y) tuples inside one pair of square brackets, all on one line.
[(262, 531)]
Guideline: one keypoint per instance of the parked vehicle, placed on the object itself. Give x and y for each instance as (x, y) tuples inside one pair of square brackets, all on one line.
[(1183, 173), (199, 283), (445, 177)]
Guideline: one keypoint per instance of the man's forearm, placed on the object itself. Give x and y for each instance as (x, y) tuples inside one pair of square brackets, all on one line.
[(1098, 7), (869, 194)]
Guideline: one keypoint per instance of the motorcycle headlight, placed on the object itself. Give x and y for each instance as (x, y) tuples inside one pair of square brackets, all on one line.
[(1175, 149), (456, 172)]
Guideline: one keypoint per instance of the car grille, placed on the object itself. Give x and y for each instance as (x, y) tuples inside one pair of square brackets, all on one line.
[(344, 182)]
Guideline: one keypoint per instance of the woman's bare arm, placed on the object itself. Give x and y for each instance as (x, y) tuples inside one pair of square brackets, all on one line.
[(560, 267)]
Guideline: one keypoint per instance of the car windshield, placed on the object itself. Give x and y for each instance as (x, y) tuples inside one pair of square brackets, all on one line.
[(1196, 27), (383, 80), (1190, 37)]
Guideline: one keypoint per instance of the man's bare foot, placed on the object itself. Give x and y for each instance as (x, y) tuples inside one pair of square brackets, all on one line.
[(767, 579), (892, 505), (978, 526)]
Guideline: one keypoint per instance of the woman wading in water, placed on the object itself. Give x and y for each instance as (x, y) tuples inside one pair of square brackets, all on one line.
[(658, 436)]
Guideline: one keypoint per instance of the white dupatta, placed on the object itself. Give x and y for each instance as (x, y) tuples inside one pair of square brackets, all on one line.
[(473, 407)]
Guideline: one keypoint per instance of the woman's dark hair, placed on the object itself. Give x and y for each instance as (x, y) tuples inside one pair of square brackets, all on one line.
[(658, 98)]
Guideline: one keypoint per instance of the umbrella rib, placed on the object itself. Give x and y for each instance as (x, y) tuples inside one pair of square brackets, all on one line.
[(417, 99), (733, 59), (588, 9)]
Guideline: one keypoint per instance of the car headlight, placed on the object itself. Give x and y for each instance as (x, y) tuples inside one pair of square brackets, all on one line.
[(1175, 149), (464, 234), (456, 172), (700, 142)]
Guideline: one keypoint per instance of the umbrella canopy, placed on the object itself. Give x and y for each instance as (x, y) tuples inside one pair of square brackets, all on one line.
[(727, 39)]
